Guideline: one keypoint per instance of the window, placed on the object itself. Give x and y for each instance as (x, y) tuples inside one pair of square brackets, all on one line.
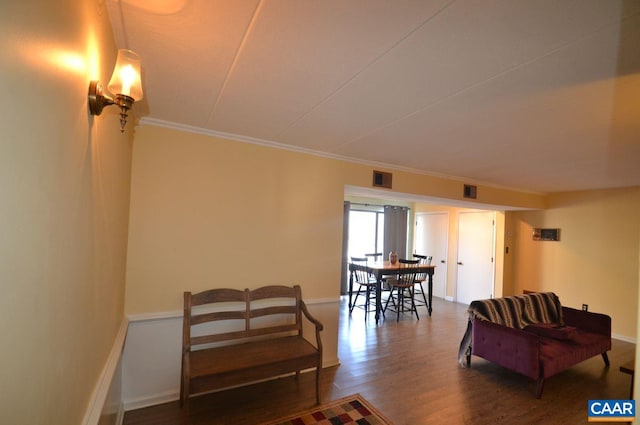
[(366, 232)]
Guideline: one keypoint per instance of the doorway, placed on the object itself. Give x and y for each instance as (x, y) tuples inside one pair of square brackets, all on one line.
[(431, 238), (476, 263)]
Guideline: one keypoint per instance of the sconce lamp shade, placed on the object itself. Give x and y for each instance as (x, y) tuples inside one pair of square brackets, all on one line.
[(125, 84), (125, 79)]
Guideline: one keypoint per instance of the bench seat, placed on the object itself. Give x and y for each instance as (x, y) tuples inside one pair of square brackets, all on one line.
[(222, 367)]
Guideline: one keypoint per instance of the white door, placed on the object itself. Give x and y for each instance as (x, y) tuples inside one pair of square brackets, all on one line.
[(431, 236), (475, 256)]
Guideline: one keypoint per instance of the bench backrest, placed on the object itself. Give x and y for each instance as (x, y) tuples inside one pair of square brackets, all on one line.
[(249, 310)]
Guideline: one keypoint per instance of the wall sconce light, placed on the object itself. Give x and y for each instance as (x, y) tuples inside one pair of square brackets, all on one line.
[(125, 83)]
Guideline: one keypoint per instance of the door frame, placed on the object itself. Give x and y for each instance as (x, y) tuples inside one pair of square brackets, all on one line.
[(441, 268), (493, 253)]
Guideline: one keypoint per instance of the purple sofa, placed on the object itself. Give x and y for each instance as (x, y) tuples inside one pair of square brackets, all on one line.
[(534, 335)]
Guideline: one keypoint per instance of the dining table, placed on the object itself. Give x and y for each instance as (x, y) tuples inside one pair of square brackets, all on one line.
[(380, 269)]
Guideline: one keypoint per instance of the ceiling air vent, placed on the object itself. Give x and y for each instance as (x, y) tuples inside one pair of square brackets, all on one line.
[(381, 179), (470, 191)]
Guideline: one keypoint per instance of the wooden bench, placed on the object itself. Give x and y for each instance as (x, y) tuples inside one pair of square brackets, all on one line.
[(233, 337)]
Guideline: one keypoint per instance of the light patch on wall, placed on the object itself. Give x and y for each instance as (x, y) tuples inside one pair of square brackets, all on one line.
[(93, 58), (70, 61), (46, 57), (49, 57)]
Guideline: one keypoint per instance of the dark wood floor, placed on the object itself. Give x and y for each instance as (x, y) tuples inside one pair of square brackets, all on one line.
[(409, 371)]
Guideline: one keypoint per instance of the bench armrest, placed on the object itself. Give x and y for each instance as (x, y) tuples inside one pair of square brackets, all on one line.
[(587, 320), (315, 322)]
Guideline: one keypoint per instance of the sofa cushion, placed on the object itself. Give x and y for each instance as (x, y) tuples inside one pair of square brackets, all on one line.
[(552, 330), (557, 355)]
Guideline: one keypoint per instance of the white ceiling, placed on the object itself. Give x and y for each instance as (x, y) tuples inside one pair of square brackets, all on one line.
[(536, 95)]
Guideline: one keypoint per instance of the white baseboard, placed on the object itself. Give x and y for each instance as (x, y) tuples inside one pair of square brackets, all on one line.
[(101, 390), (448, 298), (120, 417), (623, 338), (152, 400), (331, 363)]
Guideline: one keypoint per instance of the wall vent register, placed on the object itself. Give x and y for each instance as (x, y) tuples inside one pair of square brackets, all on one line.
[(546, 234), (382, 179), (470, 191)]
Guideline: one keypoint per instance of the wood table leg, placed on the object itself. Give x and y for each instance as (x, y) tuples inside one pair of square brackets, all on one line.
[(350, 288), (378, 297), (430, 306)]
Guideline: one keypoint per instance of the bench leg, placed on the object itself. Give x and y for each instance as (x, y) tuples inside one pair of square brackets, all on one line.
[(184, 394), (184, 404), (605, 357), (318, 383), (185, 381), (181, 393)]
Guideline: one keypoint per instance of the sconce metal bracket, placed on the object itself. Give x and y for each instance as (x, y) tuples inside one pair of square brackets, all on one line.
[(97, 99)]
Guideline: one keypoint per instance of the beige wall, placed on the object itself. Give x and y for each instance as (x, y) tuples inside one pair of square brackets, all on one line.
[(64, 185), (208, 212), (594, 263)]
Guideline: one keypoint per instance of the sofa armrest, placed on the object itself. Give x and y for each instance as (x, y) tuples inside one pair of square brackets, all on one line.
[(587, 321), (512, 348)]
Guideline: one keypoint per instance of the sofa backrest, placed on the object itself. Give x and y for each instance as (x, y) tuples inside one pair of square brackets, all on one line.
[(519, 311)]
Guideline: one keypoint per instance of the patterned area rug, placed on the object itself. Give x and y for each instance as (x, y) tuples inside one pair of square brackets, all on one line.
[(353, 409)]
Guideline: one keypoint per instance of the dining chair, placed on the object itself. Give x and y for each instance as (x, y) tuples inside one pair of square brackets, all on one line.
[(403, 285), (420, 278), (367, 284), (377, 256)]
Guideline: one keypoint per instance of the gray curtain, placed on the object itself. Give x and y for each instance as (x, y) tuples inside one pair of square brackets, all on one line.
[(344, 282), (395, 230)]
